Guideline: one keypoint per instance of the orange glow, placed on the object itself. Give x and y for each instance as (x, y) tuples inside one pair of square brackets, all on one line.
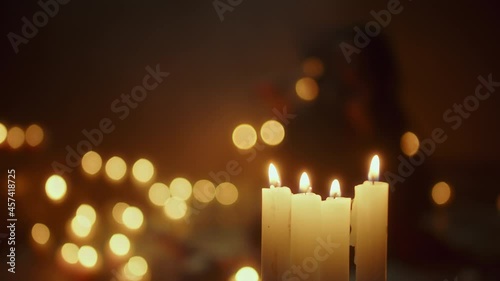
[(374, 172), (15, 137), (409, 144), (335, 189), (313, 67), (307, 89), (274, 178), (441, 193), (305, 183), (244, 136), (3, 133), (34, 135)]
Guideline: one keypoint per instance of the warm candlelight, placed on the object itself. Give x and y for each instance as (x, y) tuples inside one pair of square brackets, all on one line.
[(276, 202)]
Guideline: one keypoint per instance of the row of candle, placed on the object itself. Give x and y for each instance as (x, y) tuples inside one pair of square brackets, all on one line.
[(305, 238)]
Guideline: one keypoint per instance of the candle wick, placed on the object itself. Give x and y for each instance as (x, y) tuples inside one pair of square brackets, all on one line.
[(309, 189)]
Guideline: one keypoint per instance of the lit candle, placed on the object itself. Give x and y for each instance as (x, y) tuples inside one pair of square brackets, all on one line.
[(305, 231), (336, 224), (275, 252), (369, 226)]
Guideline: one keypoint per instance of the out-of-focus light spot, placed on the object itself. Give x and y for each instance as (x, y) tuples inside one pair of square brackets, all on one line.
[(158, 193), (181, 188), (69, 253), (87, 256), (272, 132), (15, 137), (132, 218), (40, 233), (306, 88), (118, 210), (3, 133), (115, 168), (143, 170), (55, 188), (175, 208), (34, 135), (204, 191), (247, 274), (91, 162), (81, 226), (441, 193), (88, 212), (409, 143), (244, 136), (313, 67), (119, 244), (226, 193), (137, 266)]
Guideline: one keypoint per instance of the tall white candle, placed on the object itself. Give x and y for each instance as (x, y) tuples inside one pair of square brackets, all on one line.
[(275, 252), (369, 235), (336, 224), (305, 231)]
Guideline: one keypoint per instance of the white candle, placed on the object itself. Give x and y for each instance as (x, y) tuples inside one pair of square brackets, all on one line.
[(305, 233), (336, 224), (275, 252), (369, 235)]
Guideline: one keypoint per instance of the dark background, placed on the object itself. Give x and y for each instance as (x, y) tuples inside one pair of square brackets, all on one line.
[(67, 76)]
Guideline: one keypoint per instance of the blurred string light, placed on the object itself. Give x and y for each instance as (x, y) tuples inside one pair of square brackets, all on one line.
[(118, 210), (34, 135), (87, 256), (80, 226), (132, 218), (3, 133), (181, 188), (15, 137), (40, 233), (306, 88), (55, 188), (136, 267), (143, 170), (158, 193), (115, 168), (87, 212), (119, 244), (247, 273), (244, 136), (175, 208), (91, 162), (272, 132), (313, 67), (204, 191), (409, 144), (226, 193), (69, 253), (441, 193)]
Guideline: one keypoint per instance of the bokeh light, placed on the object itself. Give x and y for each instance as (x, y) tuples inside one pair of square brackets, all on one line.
[(81, 226), (181, 188), (40, 233), (175, 208), (158, 193), (119, 244), (306, 88), (87, 212), (409, 143), (34, 135), (132, 218), (226, 193), (87, 256), (91, 162), (15, 137), (137, 266), (115, 168), (247, 273), (204, 191), (143, 170), (3, 133), (69, 253), (272, 132), (118, 210), (244, 136), (441, 193), (55, 188), (313, 67)]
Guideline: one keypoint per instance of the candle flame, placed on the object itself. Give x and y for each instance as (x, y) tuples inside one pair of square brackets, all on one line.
[(373, 174), (274, 178), (305, 183), (335, 189)]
